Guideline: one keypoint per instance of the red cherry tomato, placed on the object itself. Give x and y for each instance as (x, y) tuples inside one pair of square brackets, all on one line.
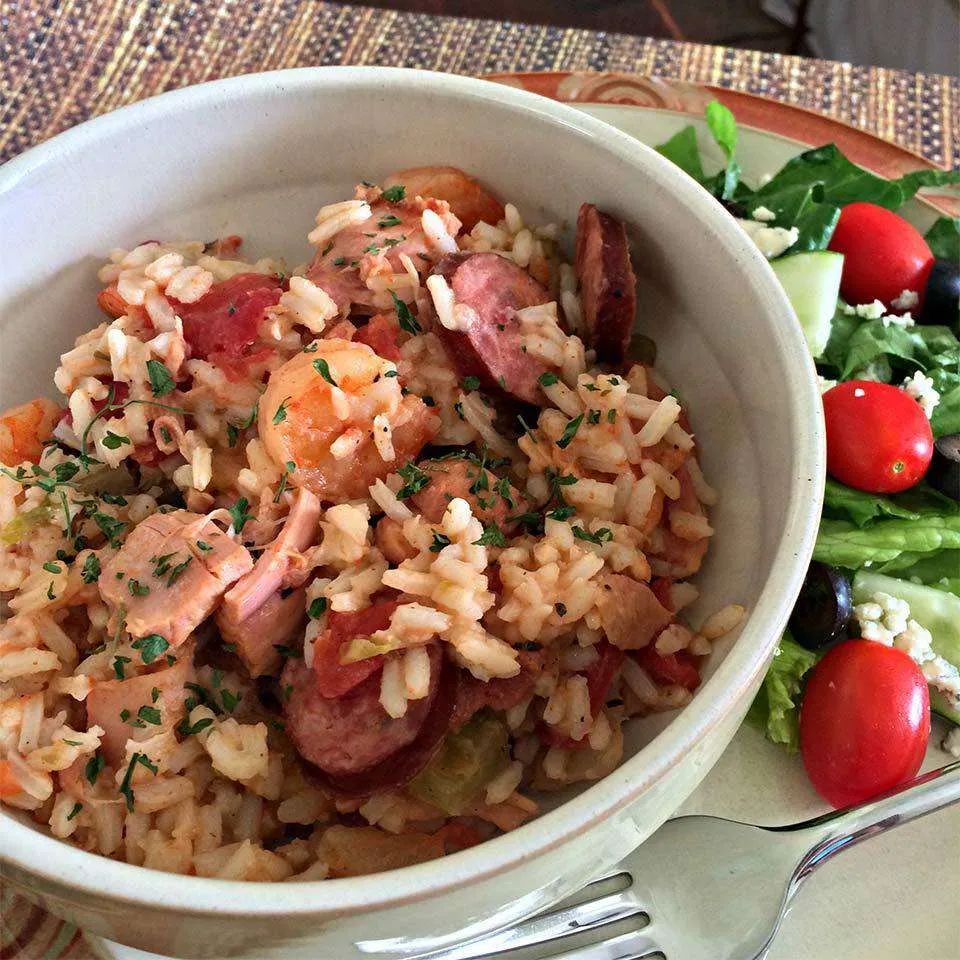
[(883, 255), (878, 437), (224, 321), (864, 721)]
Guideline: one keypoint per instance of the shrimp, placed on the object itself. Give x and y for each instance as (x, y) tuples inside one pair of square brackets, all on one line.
[(320, 411), (23, 430), (468, 198)]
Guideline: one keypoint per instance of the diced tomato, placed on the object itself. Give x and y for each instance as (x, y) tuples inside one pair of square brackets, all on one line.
[(225, 320), (23, 430), (679, 668), (9, 784), (335, 679), (599, 677), (237, 369), (380, 334), (661, 587)]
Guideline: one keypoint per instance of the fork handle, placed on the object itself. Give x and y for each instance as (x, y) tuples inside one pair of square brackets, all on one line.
[(841, 829)]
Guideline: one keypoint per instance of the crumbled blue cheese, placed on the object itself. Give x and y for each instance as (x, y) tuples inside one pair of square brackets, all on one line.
[(907, 300), (898, 320), (771, 241), (887, 620), (763, 214), (919, 386)]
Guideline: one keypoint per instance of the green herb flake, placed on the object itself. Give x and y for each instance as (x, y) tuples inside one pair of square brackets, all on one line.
[(547, 379), (203, 546), (470, 384), (492, 536), (93, 768), (230, 700), (238, 514), (414, 480), (113, 441), (317, 608), (151, 647), (601, 536), (440, 540), (389, 221), (74, 810), (395, 193), (52, 567), (405, 317), (137, 589), (339, 261), (161, 380), (570, 431), (111, 527), (149, 715), (118, 665), (593, 417), (323, 368), (177, 571), (281, 413)]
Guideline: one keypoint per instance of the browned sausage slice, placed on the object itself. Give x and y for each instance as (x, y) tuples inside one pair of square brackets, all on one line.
[(347, 735), (490, 348), (608, 288)]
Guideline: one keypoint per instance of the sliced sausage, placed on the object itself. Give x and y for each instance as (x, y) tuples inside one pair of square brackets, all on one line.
[(468, 198), (115, 704), (349, 735), (630, 612), (608, 288), (170, 573), (499, 693), (462, 478), (490, 347)]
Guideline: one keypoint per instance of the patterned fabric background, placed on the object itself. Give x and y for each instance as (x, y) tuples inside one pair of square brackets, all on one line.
[(63, 62)]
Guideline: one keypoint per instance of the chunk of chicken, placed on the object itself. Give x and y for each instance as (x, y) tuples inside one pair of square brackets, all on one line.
[(167, 577), (630, 612), (270, 626), (128, 709)]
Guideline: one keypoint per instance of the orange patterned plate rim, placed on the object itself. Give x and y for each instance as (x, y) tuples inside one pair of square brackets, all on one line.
[(800, 125)]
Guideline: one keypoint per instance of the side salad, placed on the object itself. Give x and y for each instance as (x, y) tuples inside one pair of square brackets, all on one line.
[(873, 644)]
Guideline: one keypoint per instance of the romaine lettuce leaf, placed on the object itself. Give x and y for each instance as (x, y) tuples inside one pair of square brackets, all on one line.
[(723, 128), (844, 503), (682, 150), (946, 414), (944, 238), (911, 182), (940, 569), (776, 707), (926, 347), (843, 544)]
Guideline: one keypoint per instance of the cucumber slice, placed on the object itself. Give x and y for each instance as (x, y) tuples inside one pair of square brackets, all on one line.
[(812, 282), (934, 609)]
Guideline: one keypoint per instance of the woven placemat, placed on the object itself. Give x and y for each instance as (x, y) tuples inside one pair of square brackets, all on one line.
[(63, 63)]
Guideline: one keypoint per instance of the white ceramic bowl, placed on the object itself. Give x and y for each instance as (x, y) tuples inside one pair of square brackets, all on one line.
[(257, 155)]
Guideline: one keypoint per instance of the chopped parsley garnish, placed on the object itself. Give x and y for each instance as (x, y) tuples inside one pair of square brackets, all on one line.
[(204, 546), (405, 318), (562, 513), (113, 441), (339, 261), (323, 368), (50, 592), (395, 193), (392, 373), (165, 434), (601, 536), (154, 694), (161, 380), (317, 608), (502, 487), (151, 646), (440, 540), (77, 807), (547, 379), (286, 651), (611, 416), (114, 499), (52, 567), (238, 514), (492, 536), (389, 221), (149, 715), (281, 413), (326, 249), (233, 429), (592, 387), (561, 609), (470, 384), (177, 571), (125, 789), (111, 527), (371, 248), (593, 416), (161, 564), (288, 468), (230, 699), (458, 410), (202, 696), (414, 480), (570, 431), (285, 692), (93, 767), (136, 588), (118, 664), (185, 728)]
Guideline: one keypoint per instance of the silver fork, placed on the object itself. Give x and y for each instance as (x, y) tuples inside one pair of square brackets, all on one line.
[(704, 888)]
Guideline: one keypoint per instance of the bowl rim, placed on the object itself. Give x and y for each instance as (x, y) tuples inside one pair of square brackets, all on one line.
[(40, 855)]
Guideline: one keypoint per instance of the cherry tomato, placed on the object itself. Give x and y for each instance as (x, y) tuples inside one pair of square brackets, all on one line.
[(864, 721), (878, 437), (883, 255), (224, 321)]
